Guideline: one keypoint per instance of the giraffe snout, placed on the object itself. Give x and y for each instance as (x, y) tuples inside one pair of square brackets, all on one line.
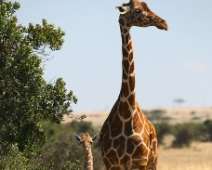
[(86, 147), (163, 25)]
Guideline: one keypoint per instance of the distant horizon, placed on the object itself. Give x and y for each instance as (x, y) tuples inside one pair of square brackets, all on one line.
[(144, 109), (170, 115)]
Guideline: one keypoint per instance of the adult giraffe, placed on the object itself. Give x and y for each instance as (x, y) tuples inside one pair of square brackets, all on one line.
[(86, 141), (128, 139)]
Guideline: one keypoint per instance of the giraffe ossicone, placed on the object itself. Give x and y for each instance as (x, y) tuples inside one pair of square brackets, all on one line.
[(127, 138), (86, 141)]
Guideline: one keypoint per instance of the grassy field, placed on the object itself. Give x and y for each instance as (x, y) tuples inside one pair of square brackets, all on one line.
[(197, 157)]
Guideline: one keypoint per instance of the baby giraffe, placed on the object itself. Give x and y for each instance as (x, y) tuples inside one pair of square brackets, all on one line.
[(86, 140)]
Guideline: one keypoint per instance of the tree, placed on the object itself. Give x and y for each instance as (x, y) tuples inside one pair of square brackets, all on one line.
[(25, 97), (179, 101)]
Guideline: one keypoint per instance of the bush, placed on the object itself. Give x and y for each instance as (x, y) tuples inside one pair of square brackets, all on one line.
[(162, 129), (72, 166), (183, 135), (186, 133), (12, 159), (82, 127), (208, 126)]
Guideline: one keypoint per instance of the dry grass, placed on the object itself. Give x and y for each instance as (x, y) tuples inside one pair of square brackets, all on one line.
[(181, 115), (197, 157)]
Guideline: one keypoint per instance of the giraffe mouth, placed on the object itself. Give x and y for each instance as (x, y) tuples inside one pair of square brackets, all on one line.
[(162, 25)]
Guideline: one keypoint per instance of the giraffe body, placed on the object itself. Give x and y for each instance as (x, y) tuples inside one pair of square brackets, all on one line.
[(128, 139), (86, 141)]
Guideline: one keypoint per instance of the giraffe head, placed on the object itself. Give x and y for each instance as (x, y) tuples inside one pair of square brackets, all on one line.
[(86, 140), (136, 13)]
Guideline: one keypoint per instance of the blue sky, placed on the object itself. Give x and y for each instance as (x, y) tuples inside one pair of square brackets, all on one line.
[(168, 64)]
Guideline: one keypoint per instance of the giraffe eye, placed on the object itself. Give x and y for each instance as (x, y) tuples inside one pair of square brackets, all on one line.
[(137, 11), (91, 142)]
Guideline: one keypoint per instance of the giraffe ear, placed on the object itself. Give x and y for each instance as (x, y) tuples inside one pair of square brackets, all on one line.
[(96, 137), (122, 9), (77, 138)]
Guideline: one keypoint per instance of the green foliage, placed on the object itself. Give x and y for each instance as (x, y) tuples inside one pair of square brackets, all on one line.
[(185, 133), (208, 125), (82, 127), (162, 129), (41, 35), (63, 148), (51, 130), (25, 97), (77, 165), (188, 132), (12, 158)]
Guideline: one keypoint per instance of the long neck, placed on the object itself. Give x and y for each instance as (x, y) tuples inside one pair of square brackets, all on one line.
[(88, 160), (127, 92)]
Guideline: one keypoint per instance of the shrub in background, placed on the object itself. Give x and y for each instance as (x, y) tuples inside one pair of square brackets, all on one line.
[(162, 129), (208, 125)]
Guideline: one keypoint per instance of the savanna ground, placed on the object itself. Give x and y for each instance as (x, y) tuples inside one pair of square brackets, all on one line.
[(196, 157)]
